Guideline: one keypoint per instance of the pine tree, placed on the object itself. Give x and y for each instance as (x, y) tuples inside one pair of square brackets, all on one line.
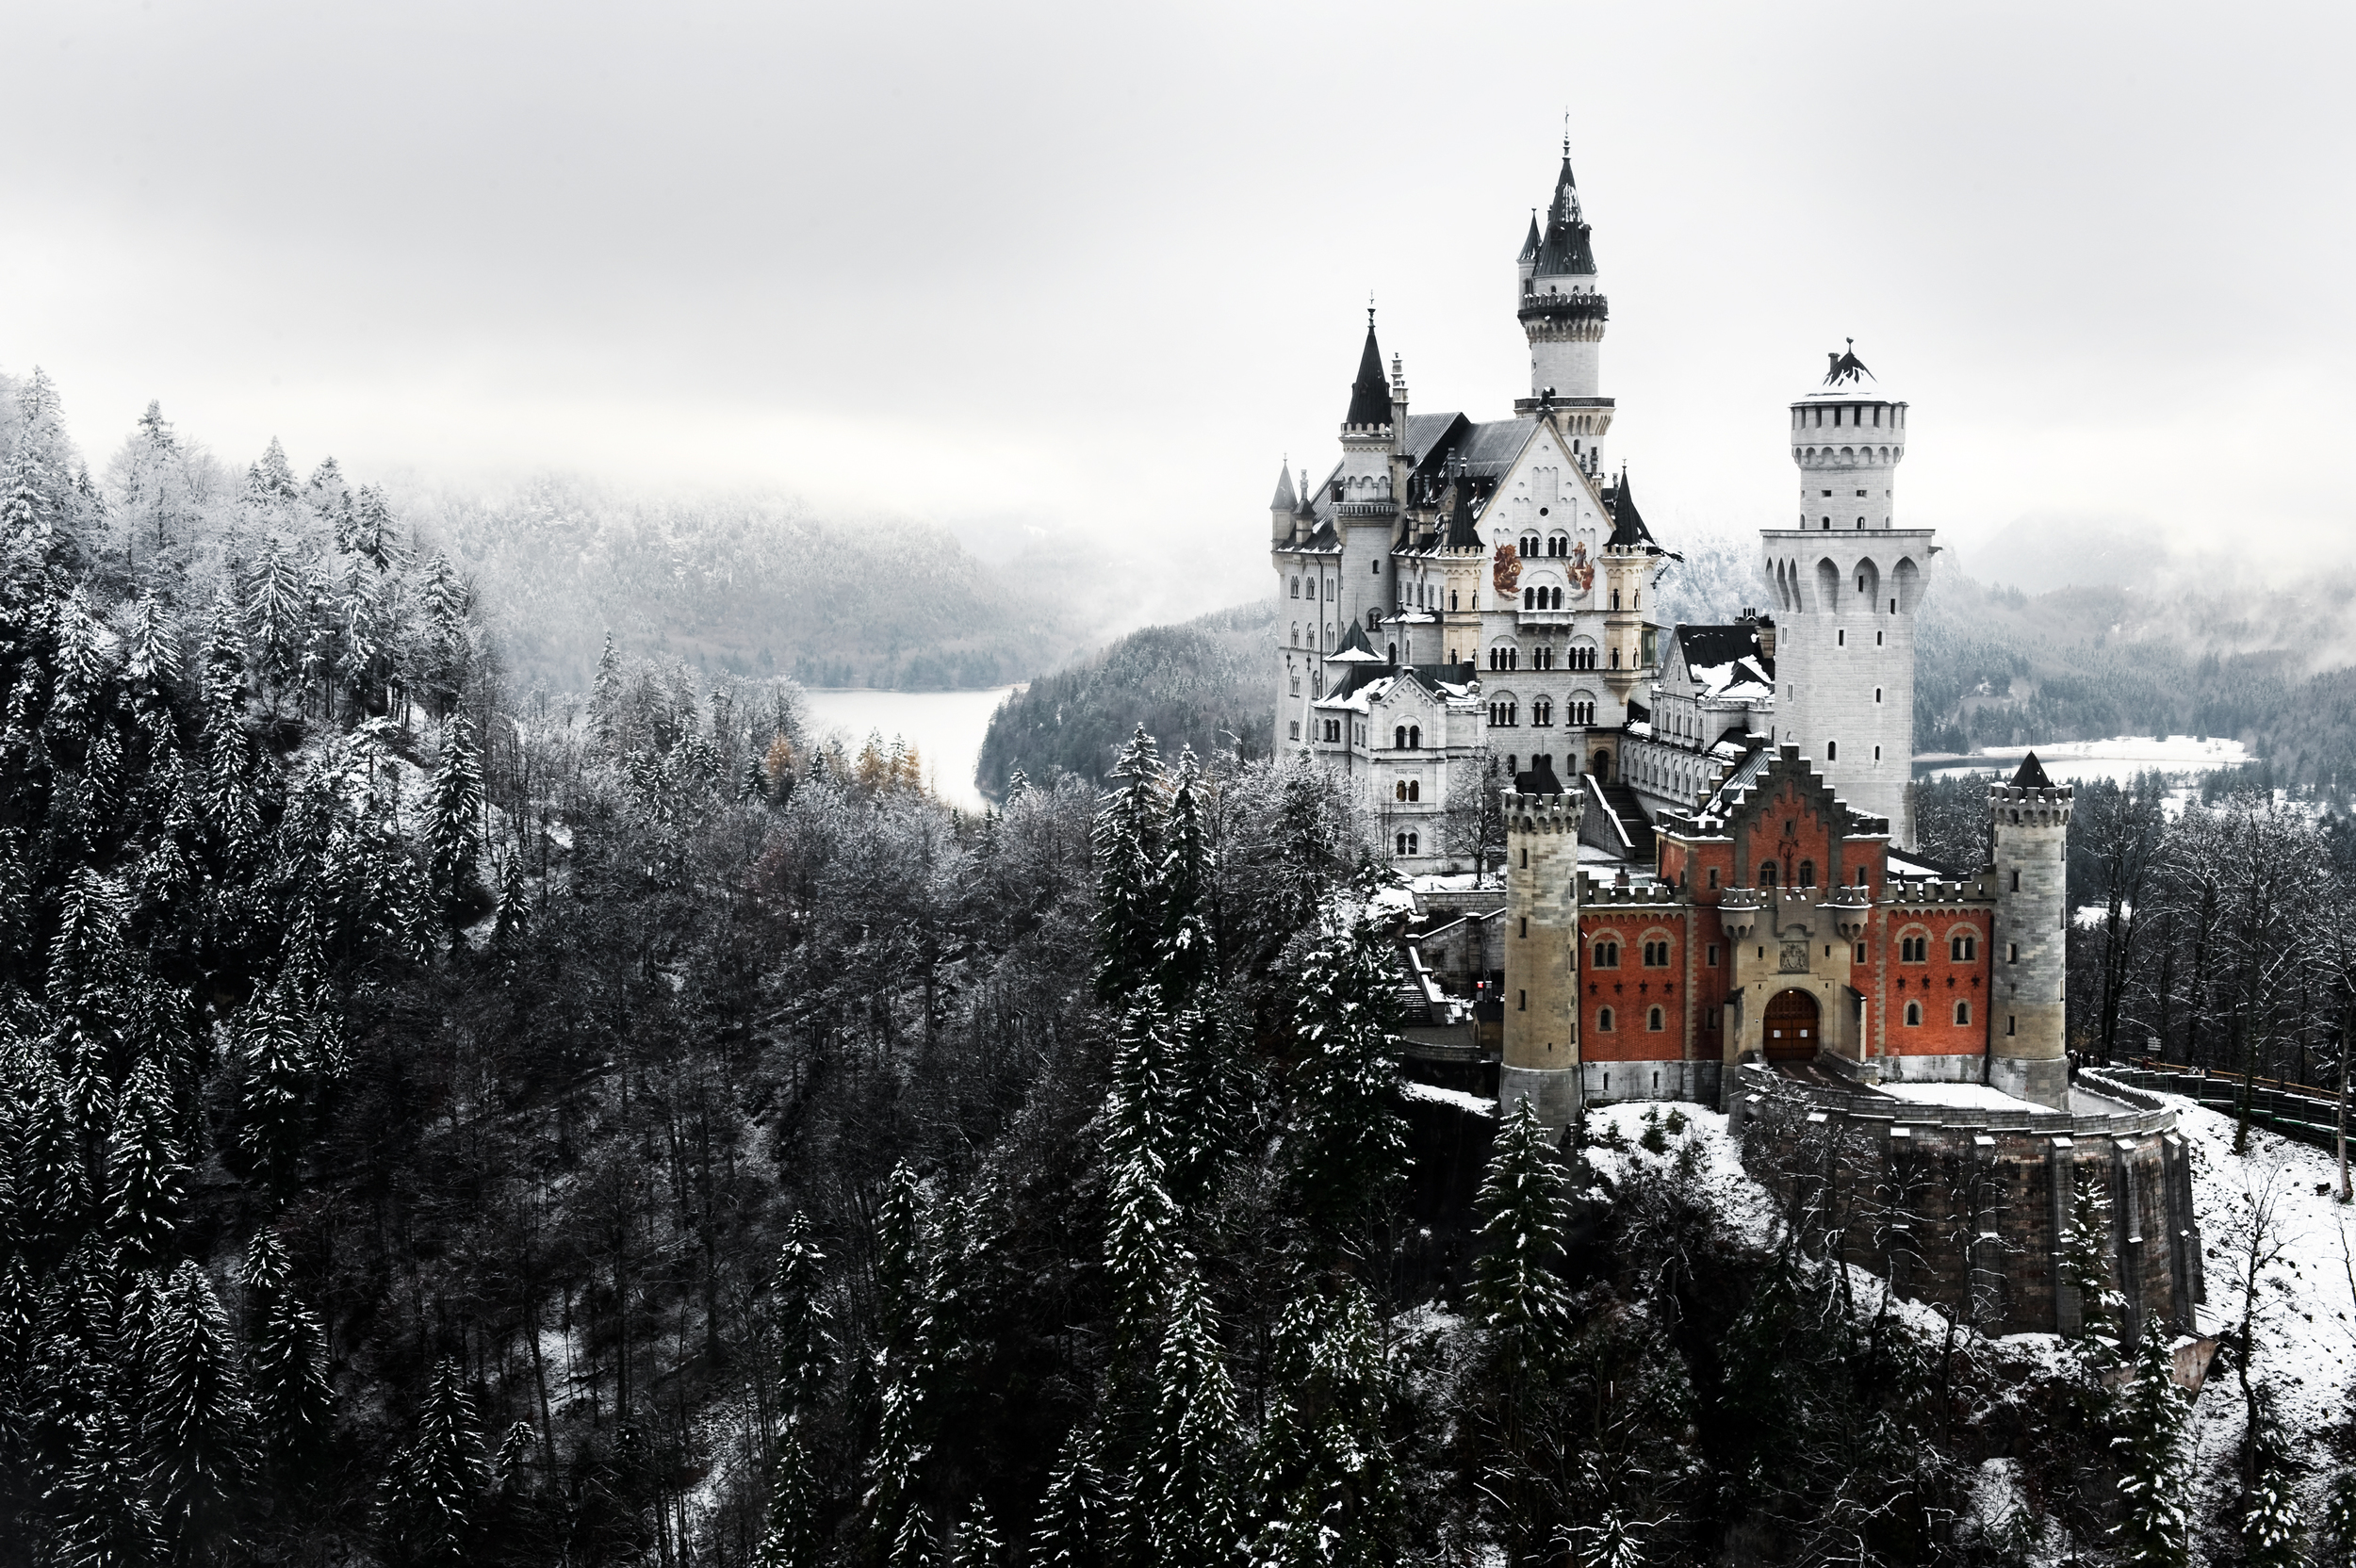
[(53, 1197), (437, 1479), (201, 1429), (797, 1305), (1184, 1510), (913, 1545), (1142, 1228), (605, 692), (454, 823), (2086, 1269), (1330, 1492), (147, 1172), (292, 1400), (269, 479), (1075, 1516), (1127, 835), (904, 1277), (99, 1510), (2147, 1435), (978, 1544), (2270, 1522), (790, 1535), (1523, 1208), (2339, 1522), (273, 1090), (1348, 1153), (1188, 882)]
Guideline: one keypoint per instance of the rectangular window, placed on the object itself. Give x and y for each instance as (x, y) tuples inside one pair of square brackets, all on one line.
[(1713, 881), (1523, 1005), (1714, 955), (2012, 953), (1525, 926), (1861, 952), (1296, 730)]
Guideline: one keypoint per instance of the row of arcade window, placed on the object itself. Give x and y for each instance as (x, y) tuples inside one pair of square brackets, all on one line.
[(1407, 788), (1407, 737), (1405, 843)]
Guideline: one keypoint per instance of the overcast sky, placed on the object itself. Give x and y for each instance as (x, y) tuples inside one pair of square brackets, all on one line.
[(1103, 265)]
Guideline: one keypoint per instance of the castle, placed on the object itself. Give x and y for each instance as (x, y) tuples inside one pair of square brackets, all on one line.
[(1705, 828)]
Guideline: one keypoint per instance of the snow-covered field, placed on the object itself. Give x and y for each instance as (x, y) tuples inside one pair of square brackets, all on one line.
[(2119, 759)]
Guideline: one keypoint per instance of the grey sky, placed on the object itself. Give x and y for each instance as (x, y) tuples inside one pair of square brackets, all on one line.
[(1101, 267)]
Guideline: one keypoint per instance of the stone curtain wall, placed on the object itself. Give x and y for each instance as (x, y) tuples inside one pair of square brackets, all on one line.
[(1967, 1211)]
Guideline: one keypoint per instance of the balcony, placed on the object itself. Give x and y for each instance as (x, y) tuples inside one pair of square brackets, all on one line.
[(1563, 307)]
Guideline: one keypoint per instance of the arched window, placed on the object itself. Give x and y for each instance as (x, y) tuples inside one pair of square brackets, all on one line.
[(1399, 791), (1914, 950), (1296, 587), (1653, 1021), (1656, 954), (1963, 949), (1606, 955), (1603, 1021), (1832, 751), (1414, 737), (1914, 1014), (1413, 844), (1963, 1012), (1529, 599), (1558, 598), (1766, 873), (1451, 599), (1415, 788), (1390, 652), (1808, 873), (1398, 737)]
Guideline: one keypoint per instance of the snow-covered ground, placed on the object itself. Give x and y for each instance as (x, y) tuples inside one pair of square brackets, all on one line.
[(2305, 1323), (2119, 759), (1976, 1097)]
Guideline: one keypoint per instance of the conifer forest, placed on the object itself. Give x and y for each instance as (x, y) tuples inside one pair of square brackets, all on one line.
[(443, 1127)]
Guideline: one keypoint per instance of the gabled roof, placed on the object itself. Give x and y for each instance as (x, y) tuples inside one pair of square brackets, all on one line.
[(1370, 394), (1286, 500), (2032, 775), (1355, 649)]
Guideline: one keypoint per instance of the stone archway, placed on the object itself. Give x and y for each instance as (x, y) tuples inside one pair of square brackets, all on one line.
[(1791, 1027), (1600, 765)]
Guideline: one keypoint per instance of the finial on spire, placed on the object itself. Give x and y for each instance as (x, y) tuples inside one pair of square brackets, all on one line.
[(1566, 133), (1369, 310)]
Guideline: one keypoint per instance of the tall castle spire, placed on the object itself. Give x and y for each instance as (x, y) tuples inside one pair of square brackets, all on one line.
[(1370, 394), (1561, 304)]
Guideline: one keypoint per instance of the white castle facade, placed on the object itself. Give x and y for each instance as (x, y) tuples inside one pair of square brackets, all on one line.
[(1462, 605)]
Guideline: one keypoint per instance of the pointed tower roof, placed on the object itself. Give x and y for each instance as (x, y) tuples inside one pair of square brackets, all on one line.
[(1460, 534), (1628, 524), (1370, 394), (1529, 246), (2032, 775), (1565, 249), (1284, 500)]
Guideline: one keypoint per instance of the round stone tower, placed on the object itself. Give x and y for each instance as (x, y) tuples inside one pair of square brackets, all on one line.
[(1847, 583), (1541, 1036), (2028, 1046)]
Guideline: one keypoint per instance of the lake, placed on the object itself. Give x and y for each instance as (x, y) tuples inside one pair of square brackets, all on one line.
[(2119, 759), (945, 727)]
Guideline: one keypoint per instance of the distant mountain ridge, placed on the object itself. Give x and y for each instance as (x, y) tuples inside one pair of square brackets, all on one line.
[(748, 586), (1207, 683)]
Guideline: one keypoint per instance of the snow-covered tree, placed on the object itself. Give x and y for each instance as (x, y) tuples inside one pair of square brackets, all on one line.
[(1128, 836), (976, 1544), (790, 1533), (1348, 1153), (201, 1426), (1184, 1510), (2271, 1525), (436, 1482), (1075, 1522), (99, 1510), (274, 1113), (805, 1327), (2086, 1265), (292, 1398), (1327, 1481), (1523, 1208), (147, 1170), (454, 823), (1142, 1221), (2147, 1435)]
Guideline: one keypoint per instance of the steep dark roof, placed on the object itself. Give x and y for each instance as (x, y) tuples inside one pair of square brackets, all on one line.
[(1460, 535), (1284, 500), (1710, 647), (1370, 394), (1566, 248), (1529, 246), (1628, 524), (2032, 775), (1355, 641), (1538, 780)]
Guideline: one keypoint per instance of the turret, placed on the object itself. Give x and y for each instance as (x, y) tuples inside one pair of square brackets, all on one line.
[(1366, 509), (1848, 581), (1561, 306), (1279, 510), (1541, 1035), (2028, 1045)]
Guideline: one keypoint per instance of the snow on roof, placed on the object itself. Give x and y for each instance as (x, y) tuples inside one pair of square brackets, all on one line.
[(1474, 1103)]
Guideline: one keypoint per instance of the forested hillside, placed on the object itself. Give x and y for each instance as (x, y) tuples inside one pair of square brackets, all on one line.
[(749, 587), (1205, 683)]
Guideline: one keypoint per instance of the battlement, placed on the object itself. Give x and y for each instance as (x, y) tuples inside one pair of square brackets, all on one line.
[(2048, 806), (1593, 892), (1543, 813)]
